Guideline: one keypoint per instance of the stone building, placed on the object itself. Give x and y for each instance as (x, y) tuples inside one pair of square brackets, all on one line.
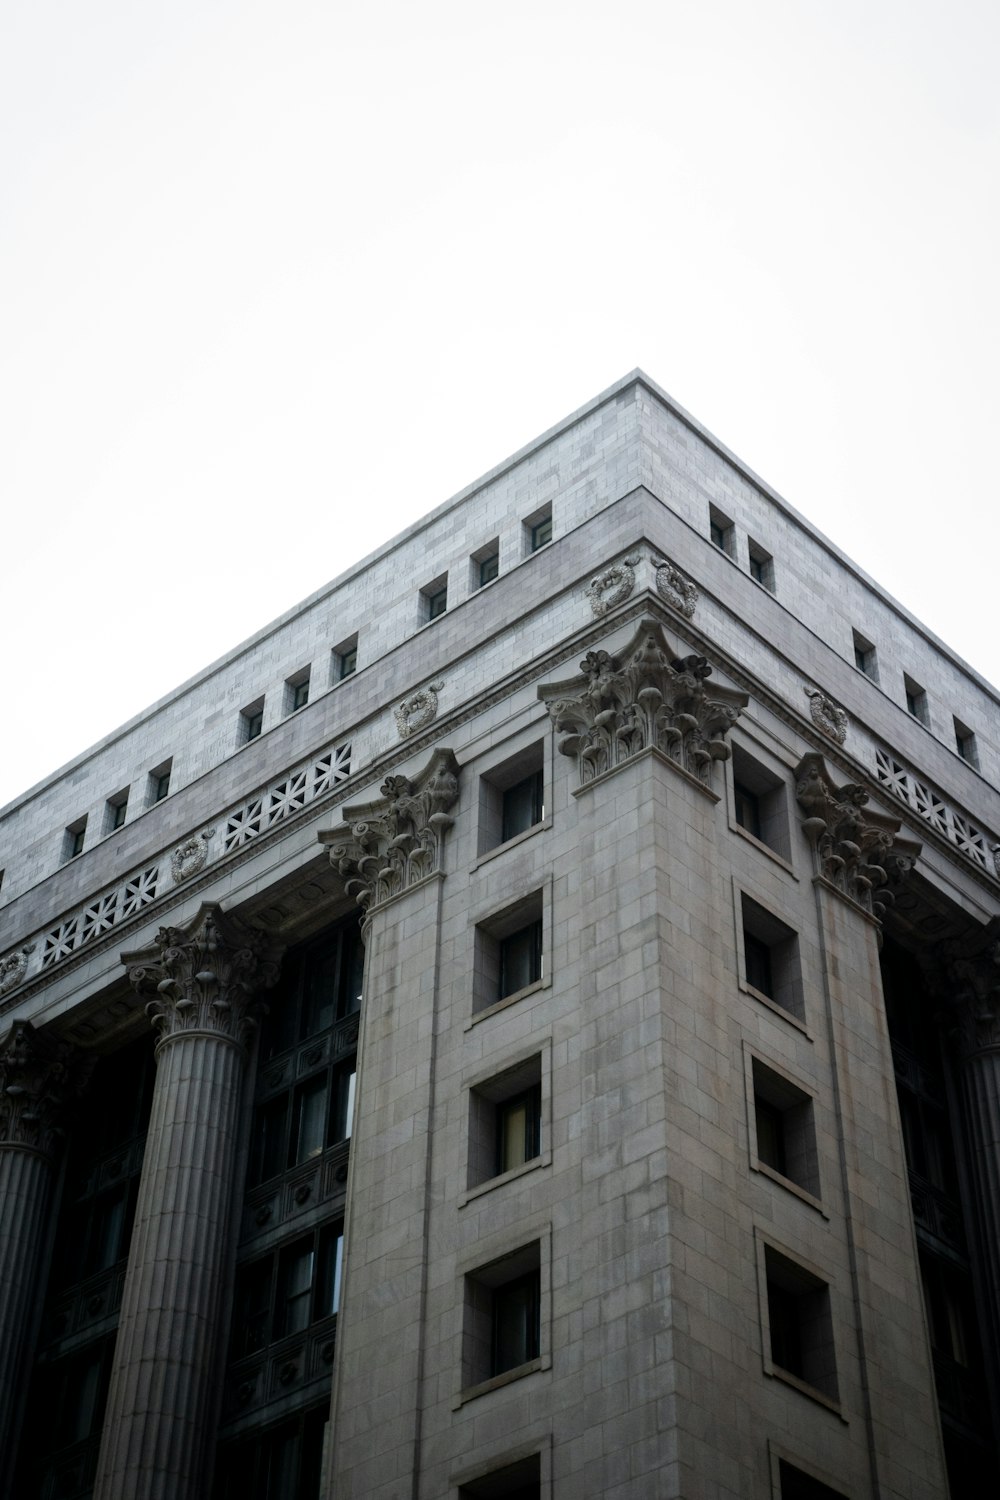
[(524, 1024)]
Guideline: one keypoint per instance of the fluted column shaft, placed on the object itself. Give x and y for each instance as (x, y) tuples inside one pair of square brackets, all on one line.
[(157, 1425), (980, 1074)]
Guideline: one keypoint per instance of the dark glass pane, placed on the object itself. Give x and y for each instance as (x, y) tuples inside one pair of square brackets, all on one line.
[(252, 1308), (295, 1288), (269, 1148), (331, 1256), (319, 988), (747, 809), (541, 534), (522, 806), (107, 1230), (770, 1135), (437, 604), (352, 965), (489, 569), (310, 1119), (786, 1335), (342, 1116), (515, 1323), (758, 957), (520, 959), (517, 1130)]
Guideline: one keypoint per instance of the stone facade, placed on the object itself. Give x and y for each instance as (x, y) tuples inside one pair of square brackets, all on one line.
[(659, 1156)]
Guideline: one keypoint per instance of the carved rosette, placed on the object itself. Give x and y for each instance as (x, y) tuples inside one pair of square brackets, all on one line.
[(643, 698), (205, 977), (390, 845), (38, 1080), (972, 982), (418, 710), (828, 716), (613, 586), (680, 593), (857, 848), (190, 857), (14, 967)]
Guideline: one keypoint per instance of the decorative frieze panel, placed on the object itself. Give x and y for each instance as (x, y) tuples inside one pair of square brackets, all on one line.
[(922, 797), (390, 845), (643, 698), (857, 848), (828, 716), (613, 586), (680, 593), (265, 810)]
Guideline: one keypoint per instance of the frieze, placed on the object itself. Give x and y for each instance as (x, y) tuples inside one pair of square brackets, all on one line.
[(391, 844), (827, 715), (644, 697), (613, 586), (418, 710), (680, 593), (205, 977), (857, 848)]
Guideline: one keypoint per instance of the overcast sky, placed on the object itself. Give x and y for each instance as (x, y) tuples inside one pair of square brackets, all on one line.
[(278, 278)]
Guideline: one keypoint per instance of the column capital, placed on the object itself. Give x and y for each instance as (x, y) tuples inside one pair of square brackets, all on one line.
[(38, 1080), (857, 848), (971, 981), (644, 697), (391, 844), (205, 977)]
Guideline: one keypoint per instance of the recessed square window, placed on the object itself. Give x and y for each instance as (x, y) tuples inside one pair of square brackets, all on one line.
[(865, 658), (916, 700), (760, 802), (538, 529), (512, 798), (761, 566), (799, 1336), (116, 810), (965, 743), (434, 598), (796, 1484), (517, 1481), (485, 564), (509, 952), (252, 721), (159, 783), (505, 1121), (345, 659), (502, 1329), (784, 1134), (74, 839), (297, 691), (721, 531), (770, 957)]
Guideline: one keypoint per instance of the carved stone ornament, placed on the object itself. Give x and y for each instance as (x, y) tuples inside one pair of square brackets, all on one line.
[(857, 848), (418, 710), (613, 586), (972, 981), (190, 857), (995, 851), (389, 845), (827, 715), (14, 967), (680, 593), (205, 977), (38, 1079), (644, 697)]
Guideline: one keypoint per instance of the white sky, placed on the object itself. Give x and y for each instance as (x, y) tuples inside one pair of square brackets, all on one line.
[(275, 279)]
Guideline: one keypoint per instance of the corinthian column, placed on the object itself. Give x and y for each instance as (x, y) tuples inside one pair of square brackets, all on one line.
[(201, 982), (35, 1073)]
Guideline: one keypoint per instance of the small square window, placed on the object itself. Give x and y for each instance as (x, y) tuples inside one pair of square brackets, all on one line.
[(517, 1481), (349, 663), (502, 1329), (434, 598), (159, 783), (770, 956), (800, 1328), (297, 691), (865, 658), (760, 805), (721, 531), (965, 743), (784, 1131), (538, 529), (797, 1485), (116, 811), (916, 700), (486, 564), (252, 721), (512, 798), (505, 1121), (74, 839), (509, 952), (761, 566), (344, 660)]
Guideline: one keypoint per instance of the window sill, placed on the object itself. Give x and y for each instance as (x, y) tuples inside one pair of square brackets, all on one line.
[(786, 1182), (518, 995), (497, 1382), (751, 838), (805, 1389), (544, 1159), (518, 838), (772, 1005)]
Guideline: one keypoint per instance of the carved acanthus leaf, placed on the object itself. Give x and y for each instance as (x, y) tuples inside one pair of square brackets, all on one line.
[(642, 698), (389, 845), (39, 1078), (857, 848), (205, 977)]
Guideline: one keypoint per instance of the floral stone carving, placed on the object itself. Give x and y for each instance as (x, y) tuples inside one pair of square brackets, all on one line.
[(38, 1079), (14, 967), (417, 711), (613, 586), (643, 698), (857, 848), (680, 593), (390, 845), (827, 715), (190, 857), (205, 977)]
